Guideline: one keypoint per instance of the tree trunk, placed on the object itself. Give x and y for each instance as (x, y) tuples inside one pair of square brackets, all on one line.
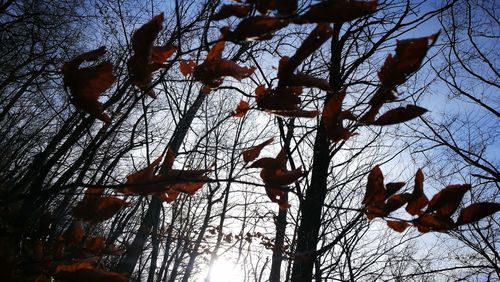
[(312, 205)]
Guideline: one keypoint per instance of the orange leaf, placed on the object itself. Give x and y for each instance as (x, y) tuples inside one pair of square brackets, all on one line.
[(160, 54), (83, 271), (226, 11), (280, 177), (418, 199), (433, 222), (333, 116), (215, 52), (230, 68), (95, 208), (337, 11), (316, 38), (375, 190), (396, 201), (73, 267), (169, 196), (275, 177), (187, 67), (214, 68), (375, 210), (397, 225), (169, 159), (409, 56), (144, 175), (87, 84), (447, 200), (252, 153), (477, 211), (255, 28), (302, 79), (399, 115), (74, 234), (279, 196), (95, 245), (393, 187), (146, 58), (241, 110)]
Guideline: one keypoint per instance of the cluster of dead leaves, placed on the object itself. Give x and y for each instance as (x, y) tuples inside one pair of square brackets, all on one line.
[(381, 200), (284, 100), (274, 173), (88, 83), (409, 56), (58, 256), (168, 183), (261, 26), (212, 71), (97, 208), (148, 58)]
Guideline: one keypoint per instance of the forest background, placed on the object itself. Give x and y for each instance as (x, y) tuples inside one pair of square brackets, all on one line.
[(215, 217)]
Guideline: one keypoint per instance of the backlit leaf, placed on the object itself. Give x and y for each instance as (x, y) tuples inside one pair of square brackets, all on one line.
[(400, 115), (433, 222), (187, 67), (476, 212), (397, 225), (447, 200), (88, 83), (418, 199), (409, 56), (147, 58), (375, 189), (241, 110), (255, 28), (337, 11), (393, 187), (252, 153), (226, 11)]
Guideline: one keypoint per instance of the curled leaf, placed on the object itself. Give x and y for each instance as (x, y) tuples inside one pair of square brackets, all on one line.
[(147, 58), (375, 190), (418, 199), (241, 110), (168, 183), (333, 117), (88, 83), (255, 28), (476, 212), (95, 208), (400, 115), (252, 153), (396, 201), (447, 200), (393, 187), (409, 56), (275, 177), (319, 35), (397, 225), (433, 222), (214, 68), (337, 11), (226, 11)]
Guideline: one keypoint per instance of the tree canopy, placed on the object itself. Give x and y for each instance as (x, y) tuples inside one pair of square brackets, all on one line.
[(285, 140)]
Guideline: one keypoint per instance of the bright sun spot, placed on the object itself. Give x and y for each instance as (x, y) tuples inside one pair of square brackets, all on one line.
[(225, 271)]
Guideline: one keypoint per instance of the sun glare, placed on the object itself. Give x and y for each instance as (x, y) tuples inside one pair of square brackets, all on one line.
[(225, 271)]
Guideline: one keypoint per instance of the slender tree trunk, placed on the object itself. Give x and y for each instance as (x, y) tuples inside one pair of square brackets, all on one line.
[(128, 262), (312, 205)]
